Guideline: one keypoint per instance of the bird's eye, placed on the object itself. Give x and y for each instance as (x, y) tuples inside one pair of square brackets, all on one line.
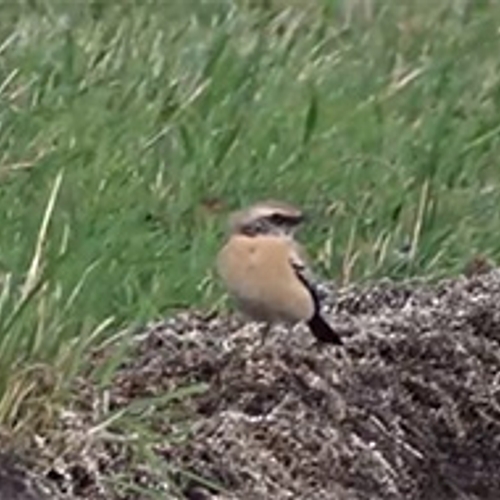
[(277, 219)]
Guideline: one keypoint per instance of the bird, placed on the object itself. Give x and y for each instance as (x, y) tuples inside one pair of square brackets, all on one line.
[(265, 272)]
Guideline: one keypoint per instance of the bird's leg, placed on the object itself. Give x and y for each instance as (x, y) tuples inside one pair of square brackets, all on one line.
[(265, 328)]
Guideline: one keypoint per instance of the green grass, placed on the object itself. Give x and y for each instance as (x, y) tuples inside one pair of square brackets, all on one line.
[(134, 116)]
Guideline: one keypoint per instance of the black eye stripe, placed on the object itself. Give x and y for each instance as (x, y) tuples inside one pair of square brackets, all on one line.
[(255, 227), (281, 219)]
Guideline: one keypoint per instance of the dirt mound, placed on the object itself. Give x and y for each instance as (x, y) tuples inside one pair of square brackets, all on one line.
[(17, 482), (408, 409)]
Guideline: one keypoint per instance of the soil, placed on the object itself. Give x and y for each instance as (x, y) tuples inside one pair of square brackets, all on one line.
[(408, 408)]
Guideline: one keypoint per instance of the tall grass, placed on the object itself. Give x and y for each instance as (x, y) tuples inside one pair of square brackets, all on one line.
[(39, 352), (163, 115)]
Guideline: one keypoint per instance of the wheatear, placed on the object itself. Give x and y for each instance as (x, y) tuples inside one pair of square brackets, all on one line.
[(264, 272)]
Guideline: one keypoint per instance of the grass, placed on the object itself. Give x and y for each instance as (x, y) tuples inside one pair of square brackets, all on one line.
[(128, 129)]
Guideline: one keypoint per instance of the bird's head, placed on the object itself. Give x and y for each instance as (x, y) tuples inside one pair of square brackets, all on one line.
[(266, 217)]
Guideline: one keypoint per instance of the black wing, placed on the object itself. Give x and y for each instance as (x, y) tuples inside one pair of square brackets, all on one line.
[(317, 324)]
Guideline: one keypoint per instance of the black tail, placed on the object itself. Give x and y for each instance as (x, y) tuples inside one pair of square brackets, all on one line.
[(323, 331), (318, 326)]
